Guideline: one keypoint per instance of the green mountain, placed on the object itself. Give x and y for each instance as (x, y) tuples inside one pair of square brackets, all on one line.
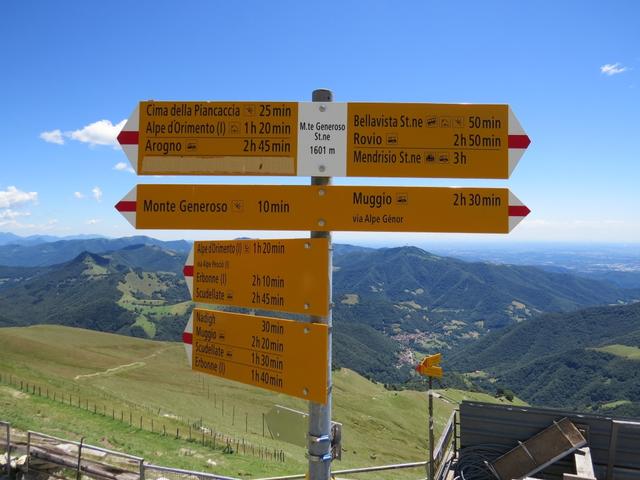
[(117, 292), (12, 276), (584, 360), (426, 301), (581, 380), (391, 305)]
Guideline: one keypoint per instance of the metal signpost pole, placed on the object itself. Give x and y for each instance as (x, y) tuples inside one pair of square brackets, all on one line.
[(319, 440), (430, 429)]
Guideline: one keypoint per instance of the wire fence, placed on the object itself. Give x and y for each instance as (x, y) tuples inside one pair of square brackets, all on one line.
[(66, 459), (156, 472), (54, 457), (165, 424), (60, 458), (446, 449)]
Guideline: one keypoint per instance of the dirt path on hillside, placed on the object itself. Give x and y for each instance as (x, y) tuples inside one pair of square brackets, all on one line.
[(121, 368)]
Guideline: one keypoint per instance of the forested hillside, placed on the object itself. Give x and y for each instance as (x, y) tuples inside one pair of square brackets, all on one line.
[(390, 305), (584, 360)]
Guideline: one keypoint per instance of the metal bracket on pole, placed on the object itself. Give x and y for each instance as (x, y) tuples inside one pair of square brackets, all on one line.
[(327, 457), (323, 438)]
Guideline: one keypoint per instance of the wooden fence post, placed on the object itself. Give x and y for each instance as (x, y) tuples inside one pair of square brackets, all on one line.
[(78, 470)]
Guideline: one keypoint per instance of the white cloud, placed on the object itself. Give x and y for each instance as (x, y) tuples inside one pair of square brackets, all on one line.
[(13, 196), (97, 193), (34, 228), (122, 166), (93, 221), (54, 136), (102, 132), (12, 223), (12, 214), (15, 224), (610, 69), (78, 195)]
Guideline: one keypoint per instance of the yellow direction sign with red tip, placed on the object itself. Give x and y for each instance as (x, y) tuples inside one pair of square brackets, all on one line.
[(324, 208), (266, 352), (430, 366), (212, 138), (285, 275), (433, 140)]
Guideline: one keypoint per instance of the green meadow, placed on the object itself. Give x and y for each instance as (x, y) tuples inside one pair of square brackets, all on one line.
[(72, 383)]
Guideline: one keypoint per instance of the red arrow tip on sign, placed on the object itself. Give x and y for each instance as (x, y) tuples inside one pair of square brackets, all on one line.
[(519, 210), (125, 206), (519, 141), (188, 270), (128, 138)]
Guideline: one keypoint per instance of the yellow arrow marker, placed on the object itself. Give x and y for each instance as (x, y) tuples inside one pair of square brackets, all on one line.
[(430, 371), (429, 367)]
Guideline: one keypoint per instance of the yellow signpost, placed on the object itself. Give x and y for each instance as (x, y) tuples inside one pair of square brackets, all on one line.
[(265, 352), (430, 367), (320, 139), (323, 208), (285, 275)]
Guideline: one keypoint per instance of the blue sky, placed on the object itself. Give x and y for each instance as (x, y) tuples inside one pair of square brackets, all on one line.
[(570, 71)]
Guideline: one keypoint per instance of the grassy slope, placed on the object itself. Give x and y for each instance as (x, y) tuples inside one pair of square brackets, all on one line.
[(152, 380), (625, 351), (137, 292)]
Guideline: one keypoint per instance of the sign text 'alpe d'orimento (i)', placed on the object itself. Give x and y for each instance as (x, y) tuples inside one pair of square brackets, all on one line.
[(420, 140)]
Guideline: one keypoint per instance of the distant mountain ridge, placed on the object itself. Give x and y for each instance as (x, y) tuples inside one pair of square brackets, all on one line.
[(7, 238), (612, 262), (439, 301), (59, 251)]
